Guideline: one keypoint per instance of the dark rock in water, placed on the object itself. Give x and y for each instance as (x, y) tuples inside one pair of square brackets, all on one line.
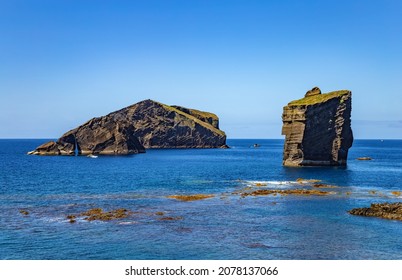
[(24, 212), (392, 211), (147, 124), (318, 129), (71, 218), (313, 91), (257, 246), (170, 218)]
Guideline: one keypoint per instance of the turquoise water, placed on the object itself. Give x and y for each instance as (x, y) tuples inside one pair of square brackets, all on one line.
[(226, 226)]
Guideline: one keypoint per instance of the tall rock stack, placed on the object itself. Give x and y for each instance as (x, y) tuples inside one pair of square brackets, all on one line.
[(317, 129)]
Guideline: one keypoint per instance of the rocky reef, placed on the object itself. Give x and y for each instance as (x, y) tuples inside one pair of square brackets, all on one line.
[(317, 129), (391, 211), (131, 130)]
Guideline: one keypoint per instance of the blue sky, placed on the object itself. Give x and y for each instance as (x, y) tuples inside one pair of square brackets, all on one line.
[(64, 62)]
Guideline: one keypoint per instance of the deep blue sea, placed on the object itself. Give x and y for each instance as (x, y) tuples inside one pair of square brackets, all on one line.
[(226, 226)]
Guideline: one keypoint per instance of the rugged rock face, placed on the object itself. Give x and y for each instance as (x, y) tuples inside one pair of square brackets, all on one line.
[(318, 129), (210, 118), (147, 124)]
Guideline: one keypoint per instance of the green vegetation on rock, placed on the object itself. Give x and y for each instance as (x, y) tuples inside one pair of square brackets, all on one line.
[(310, 100)]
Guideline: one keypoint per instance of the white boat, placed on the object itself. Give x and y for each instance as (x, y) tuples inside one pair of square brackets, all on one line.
[(92, 156)]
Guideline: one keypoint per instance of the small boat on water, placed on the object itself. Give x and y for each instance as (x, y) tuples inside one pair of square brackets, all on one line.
[(92, 156)]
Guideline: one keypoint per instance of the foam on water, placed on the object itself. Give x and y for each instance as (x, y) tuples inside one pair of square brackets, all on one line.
[(270, 184)]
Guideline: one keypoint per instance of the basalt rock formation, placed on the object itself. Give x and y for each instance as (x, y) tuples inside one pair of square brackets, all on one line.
[(147, 124), (318, 129)]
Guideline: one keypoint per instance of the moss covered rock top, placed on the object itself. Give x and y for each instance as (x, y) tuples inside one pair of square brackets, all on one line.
[(311, 100)]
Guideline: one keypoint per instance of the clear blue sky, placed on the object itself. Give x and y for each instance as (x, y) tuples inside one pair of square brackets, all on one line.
[(64, 62)]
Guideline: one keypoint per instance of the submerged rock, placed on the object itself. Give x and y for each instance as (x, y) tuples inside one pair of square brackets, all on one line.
[(24, 212), (171, 218), (324, 186), (97, 214), (147, 124), (318, 129), (392, 211), (364, 158), (304, 192), (257, 246), (191, 197)]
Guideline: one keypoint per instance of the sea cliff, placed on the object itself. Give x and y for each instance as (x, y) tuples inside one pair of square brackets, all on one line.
[(317, 129)]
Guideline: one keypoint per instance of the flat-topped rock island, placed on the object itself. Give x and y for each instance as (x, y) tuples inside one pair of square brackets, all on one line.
[(317, 129)]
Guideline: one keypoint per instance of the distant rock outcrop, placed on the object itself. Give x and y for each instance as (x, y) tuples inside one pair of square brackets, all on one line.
[(318, 129), (147, 124)]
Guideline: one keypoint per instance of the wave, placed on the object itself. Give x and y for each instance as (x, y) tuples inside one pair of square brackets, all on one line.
[(276, 184)]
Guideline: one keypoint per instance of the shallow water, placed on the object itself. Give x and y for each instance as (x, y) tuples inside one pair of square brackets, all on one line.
[(227, 226)]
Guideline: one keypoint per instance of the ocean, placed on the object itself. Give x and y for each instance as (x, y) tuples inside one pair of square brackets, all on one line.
[(226, 225)]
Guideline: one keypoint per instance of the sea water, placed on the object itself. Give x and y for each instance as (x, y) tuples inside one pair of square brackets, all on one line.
[(228, 225)]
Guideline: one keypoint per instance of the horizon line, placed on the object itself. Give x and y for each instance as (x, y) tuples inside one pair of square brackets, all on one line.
[(45, 138)]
